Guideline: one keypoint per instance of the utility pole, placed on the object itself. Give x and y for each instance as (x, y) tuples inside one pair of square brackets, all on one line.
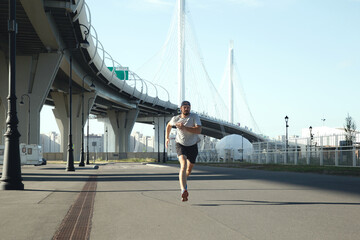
[(181, 50), (231, 82)]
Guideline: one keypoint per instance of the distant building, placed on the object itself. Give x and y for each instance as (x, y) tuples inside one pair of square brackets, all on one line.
[(141, 143), (50, 142), (207, 143), (322, 131), (171, 148), (234, 147), (282, 138), (96, 143)]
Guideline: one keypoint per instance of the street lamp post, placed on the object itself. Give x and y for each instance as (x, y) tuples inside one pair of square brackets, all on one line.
[(22, 103), (158, 139), (82, 162), (311, 138), (164, 157), (286, 138), (11, 174), (88, 127), (107, 139), (70, 153), (242, 147)]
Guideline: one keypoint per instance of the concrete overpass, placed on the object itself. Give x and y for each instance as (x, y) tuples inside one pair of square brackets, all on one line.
[(49, 34)]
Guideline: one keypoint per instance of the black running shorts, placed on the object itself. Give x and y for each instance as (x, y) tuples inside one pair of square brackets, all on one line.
[(190, 152)]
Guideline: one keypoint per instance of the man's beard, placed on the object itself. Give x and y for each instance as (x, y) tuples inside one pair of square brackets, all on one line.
[(186, 113)]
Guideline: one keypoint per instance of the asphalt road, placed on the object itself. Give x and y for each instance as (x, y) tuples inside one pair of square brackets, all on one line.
[(224, 203), (138, 201)]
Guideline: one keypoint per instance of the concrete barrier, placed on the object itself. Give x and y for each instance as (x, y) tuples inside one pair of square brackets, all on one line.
[(53, 156)]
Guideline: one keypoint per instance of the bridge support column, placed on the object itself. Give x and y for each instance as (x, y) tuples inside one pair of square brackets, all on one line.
[(34, 76), (160, 127), (113, 130), (120, 125), (128, 125), (61, 113), (127, 122)]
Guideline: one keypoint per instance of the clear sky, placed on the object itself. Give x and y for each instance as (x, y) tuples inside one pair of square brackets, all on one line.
[(299, 58)]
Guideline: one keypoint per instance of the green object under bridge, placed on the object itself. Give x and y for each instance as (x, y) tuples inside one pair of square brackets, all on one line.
[(122, 73)]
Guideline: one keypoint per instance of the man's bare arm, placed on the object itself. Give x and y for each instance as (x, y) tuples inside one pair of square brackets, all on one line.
[(196, 129), (168, 130)]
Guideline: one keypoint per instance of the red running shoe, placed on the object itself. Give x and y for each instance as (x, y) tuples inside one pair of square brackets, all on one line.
[(184, 196)]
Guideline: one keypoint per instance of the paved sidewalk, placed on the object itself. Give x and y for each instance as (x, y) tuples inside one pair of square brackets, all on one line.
[(142, 201)]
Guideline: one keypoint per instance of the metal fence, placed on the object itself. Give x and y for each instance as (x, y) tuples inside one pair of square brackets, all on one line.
[(207, 156), (324, 150)]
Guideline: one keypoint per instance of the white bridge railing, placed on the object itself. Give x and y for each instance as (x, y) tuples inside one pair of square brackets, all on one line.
[(321, 151), (324, 150)]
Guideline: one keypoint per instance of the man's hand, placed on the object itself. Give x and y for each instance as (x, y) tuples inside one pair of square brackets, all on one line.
[(180, 125), (196, 129), (167, 142)]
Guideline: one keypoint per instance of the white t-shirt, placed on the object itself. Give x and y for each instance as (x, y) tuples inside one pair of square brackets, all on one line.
[(184, 137)]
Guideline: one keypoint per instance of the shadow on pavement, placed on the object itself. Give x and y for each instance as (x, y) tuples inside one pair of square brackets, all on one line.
[(205, 173), (265, 203)]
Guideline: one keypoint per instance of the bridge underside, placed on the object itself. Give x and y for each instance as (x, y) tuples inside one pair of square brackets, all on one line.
[(219, 130), (214, 129)]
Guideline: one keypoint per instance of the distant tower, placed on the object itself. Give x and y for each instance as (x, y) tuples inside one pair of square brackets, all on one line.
[(231, 82), (181, 50)]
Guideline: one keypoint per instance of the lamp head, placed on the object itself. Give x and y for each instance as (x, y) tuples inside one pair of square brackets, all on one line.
[(22, 100), (84, 43)]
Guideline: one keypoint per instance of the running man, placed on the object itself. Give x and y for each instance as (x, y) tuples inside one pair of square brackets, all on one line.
[(188, 127)]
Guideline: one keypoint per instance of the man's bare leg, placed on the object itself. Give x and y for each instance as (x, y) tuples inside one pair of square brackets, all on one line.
[(189, 168), (183, 172)]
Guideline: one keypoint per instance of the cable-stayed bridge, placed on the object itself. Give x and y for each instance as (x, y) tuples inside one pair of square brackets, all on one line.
[(60, 59), (180, 68)]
